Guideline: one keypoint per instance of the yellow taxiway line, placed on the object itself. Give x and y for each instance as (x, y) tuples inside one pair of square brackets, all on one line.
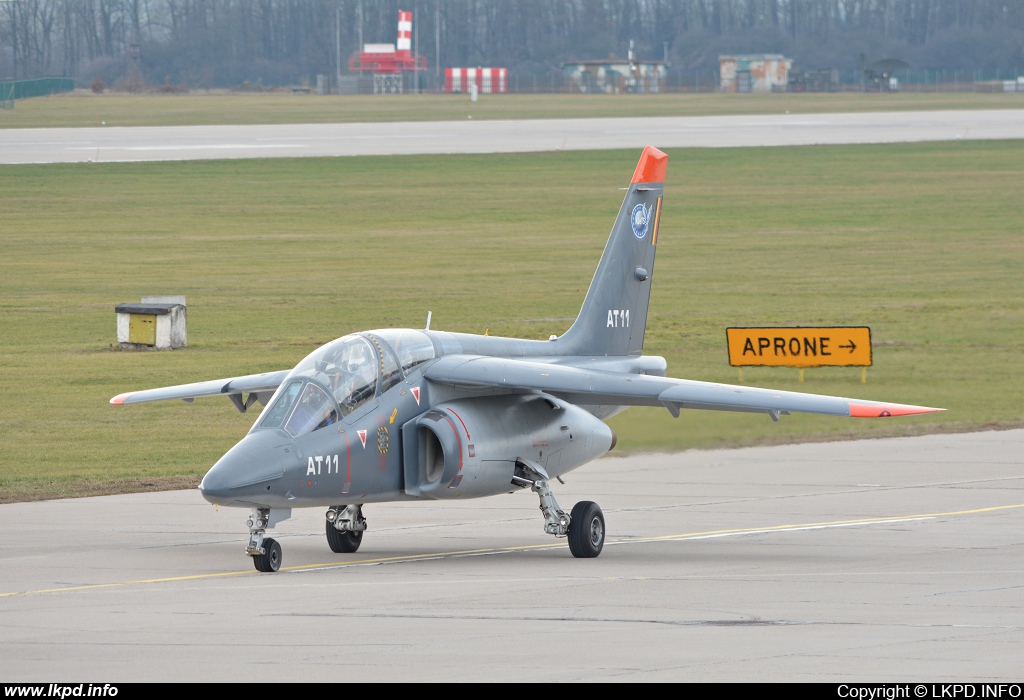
[(504, 550)]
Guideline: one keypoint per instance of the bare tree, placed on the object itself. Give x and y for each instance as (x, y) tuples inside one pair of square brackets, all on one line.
[(223, 42)]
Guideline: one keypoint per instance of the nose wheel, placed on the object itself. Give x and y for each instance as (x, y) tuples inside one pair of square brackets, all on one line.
[(270, 560), (265, 551)]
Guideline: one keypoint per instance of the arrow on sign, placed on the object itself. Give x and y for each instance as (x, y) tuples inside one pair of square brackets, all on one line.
[(852, 346)]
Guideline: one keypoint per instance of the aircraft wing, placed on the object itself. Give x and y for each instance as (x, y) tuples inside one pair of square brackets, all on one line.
[(231, 387), (600, 387)]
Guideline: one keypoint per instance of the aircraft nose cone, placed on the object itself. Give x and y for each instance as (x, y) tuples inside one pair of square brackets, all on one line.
[(258, 459)]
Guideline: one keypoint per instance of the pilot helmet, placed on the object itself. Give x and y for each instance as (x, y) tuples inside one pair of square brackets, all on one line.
[(352, 357)]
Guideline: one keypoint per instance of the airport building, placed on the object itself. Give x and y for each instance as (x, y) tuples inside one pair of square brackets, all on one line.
[(754, 73), (615, 76)]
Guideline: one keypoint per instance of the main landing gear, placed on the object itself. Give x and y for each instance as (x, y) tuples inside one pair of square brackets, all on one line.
[(345, 528), (265, 551), (584, 526), (586, 530)]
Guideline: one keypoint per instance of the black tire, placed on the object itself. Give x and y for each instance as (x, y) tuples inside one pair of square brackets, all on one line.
[(271, 561), (343, 542), (586, 530)]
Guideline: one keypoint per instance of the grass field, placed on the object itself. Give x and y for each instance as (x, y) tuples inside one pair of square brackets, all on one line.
[(85, 109), (921, 242)]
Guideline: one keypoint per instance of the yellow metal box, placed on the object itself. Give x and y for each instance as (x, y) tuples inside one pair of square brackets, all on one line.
[(142, 329)]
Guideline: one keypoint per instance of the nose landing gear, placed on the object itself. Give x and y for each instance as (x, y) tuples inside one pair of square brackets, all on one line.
[(265, 551)]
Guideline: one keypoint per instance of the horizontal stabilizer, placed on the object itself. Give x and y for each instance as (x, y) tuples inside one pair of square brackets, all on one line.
[(250, 383)]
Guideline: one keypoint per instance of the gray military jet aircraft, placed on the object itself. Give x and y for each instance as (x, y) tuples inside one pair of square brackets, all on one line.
[(398, 415)]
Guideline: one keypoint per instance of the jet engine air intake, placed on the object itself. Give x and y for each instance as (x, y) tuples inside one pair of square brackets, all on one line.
[(431, 454), (470, 447)]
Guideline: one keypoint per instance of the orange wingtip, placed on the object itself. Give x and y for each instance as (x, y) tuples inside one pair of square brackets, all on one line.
[(119, 399), (878, 410), (651, 167)]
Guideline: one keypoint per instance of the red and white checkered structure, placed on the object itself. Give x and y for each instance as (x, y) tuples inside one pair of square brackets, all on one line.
[(390, 59), (487, 80), (404, 30)]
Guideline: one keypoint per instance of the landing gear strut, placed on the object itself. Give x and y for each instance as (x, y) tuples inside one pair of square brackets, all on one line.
[(345, 527), (265, 551), (584, 526)]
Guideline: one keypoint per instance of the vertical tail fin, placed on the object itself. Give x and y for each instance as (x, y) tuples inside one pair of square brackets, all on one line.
[(614, 314)]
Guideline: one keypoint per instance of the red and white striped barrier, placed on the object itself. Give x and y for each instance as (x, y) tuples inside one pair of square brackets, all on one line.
[(487, 80)]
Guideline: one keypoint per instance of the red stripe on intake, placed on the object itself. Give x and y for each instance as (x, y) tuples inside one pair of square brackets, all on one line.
[(468, 436), (457, 438)]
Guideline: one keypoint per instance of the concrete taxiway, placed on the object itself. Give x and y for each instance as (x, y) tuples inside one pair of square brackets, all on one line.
[(896, 559), (498, 136)]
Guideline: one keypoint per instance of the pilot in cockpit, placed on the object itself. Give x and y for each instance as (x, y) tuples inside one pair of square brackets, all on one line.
[(353, 380), (332, 367)]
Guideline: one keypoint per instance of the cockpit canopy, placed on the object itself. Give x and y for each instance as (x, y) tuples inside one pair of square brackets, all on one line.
[(337, 378)]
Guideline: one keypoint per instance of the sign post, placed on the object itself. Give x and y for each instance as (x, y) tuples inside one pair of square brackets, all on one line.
[(798, 346)]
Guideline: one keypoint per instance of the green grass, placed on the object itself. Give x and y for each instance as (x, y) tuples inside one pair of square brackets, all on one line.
[(85, 109), (922, 242)]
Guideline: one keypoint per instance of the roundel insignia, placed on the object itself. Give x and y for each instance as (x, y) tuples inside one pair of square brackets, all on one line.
[(640, 220)]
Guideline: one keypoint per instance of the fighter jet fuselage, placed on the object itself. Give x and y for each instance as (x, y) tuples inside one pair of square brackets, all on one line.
[(411, 438)]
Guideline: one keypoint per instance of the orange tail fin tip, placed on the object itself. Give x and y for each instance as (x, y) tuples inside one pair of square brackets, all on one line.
[(651, 167)]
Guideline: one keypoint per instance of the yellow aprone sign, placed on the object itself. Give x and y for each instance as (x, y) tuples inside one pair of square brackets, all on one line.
[(835, 346)]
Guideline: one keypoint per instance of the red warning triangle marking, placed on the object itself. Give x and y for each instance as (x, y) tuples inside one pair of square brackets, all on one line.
[(362, 437), (416, 394)]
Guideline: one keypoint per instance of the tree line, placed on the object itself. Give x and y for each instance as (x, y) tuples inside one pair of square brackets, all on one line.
[(221, 43)]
